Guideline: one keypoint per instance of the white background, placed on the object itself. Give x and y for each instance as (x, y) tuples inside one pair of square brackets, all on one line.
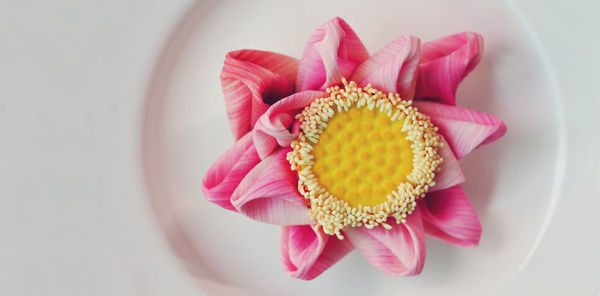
[(74, 216)]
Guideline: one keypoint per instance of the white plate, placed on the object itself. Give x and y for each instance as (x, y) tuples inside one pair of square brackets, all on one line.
[(514, 184)]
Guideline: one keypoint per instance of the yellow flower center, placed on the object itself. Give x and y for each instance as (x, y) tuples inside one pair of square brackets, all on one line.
[(363, 156)]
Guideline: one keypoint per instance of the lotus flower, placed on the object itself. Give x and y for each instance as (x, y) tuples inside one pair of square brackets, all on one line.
[(264, 94)]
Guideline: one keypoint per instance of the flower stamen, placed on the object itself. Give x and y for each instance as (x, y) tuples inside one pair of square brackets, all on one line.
[(363, 156)]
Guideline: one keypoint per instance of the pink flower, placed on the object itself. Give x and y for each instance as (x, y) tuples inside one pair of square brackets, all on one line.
[(264, 91)]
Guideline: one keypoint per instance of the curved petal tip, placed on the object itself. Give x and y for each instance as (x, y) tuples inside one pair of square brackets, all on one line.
[(225, 175), (306, 252), (444, 64), (269, 193), (398, 252), (448, 215), (464, 129), (252, 80), (393, 68), (332, 52)]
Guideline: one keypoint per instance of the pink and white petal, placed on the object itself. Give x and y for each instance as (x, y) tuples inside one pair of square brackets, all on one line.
[(252, 80), (332, 52), (450, 173), (393, 68), (444, 64), (399, 252), (225, 175), (273, 127), (464, 129), (269, 193), (449, 216), (306, 252)]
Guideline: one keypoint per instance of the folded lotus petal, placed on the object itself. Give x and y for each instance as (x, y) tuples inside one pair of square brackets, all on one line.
[(399, 251), (450, 173), (269, 193), (464, 129), (444, 64), (252, 80), (224, 176), (306, 251), (273, 127), (393, 68), (449, 216), (332, 52)]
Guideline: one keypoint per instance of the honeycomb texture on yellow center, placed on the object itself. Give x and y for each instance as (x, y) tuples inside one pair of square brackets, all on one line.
[(362, 156)]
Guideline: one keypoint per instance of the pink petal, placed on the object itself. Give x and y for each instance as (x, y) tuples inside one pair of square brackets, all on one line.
[(444, 64), (224, 176), (464, 129), (273, 127), (450, 173), (269, 193), (449, 216), (332, 52), (306, 251), (399, 251), (393, 68), (252, 80)]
